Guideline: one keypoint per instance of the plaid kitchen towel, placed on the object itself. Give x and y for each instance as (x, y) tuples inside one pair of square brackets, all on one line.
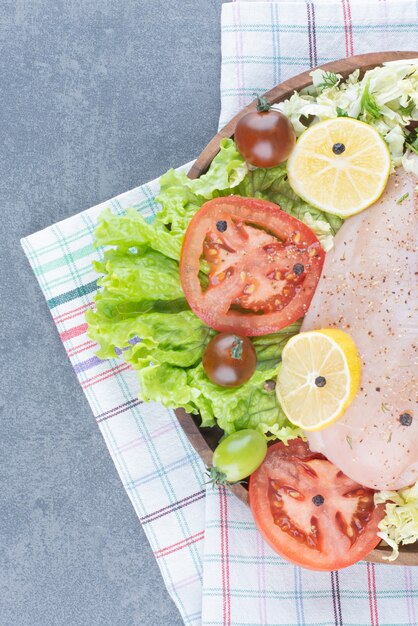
[(160, 471), (247, 584), (265, 43), (243, 581)]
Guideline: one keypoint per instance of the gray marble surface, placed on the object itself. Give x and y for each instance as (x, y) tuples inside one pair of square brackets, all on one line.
[(96, 98)]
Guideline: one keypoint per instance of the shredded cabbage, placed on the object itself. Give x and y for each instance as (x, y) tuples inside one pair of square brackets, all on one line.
[(385, 97), (400, 524), (410, 162)]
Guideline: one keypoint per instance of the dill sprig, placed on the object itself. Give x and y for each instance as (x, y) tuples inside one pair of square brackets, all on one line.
[(329, 80)]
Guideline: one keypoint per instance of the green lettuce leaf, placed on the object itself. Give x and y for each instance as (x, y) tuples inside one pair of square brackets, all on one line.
[(134, 275), (272, 184), (131, 231), (178, 340), (168, 385), (141, 314), (181, 196), (253, 405), (174, 338), (269, 348)]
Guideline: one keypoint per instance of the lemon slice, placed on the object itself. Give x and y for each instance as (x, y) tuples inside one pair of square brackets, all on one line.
[(340, 166), (318, 378)]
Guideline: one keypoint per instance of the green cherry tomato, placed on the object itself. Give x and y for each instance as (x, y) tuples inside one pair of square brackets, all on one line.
[(238, 456)]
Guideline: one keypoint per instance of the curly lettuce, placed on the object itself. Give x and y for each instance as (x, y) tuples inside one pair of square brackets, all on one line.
[(142, 316), (180, 196), (252, 405), (272, 184)]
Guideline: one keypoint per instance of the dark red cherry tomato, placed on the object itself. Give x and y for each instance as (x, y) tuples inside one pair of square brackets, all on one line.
[(264, 137), (229, 360)]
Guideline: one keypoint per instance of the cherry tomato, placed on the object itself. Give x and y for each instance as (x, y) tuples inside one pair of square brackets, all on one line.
[(264, 137), (264, 266), (310, 512), (229, 360), (238, 455)]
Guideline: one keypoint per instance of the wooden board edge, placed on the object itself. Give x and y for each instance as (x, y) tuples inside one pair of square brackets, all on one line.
[(202, 448), (286, 89)]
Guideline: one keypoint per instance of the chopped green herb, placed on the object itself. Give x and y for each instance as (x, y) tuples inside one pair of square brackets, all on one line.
[(341, 112), (407, 110), (412, 144), (330, 79), (349, 441), (402, 198), (368, 103)]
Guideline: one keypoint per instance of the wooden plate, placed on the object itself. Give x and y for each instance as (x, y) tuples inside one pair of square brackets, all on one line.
[(204, 440)]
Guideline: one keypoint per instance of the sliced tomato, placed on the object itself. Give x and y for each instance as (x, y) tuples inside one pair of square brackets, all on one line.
[(264, 265), (310, 512)]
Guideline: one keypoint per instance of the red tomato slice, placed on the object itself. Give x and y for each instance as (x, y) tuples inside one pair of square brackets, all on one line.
[(310, 512), (264, 265)]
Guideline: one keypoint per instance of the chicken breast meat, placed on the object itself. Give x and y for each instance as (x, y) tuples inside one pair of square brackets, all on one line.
[(369, 288)]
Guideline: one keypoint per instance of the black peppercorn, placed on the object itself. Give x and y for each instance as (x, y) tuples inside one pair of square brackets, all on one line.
[(221, 226), (338, 148), (405, 419), (270, 385)]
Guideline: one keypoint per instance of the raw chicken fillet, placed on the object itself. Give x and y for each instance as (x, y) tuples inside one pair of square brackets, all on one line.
[(369, 288)]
